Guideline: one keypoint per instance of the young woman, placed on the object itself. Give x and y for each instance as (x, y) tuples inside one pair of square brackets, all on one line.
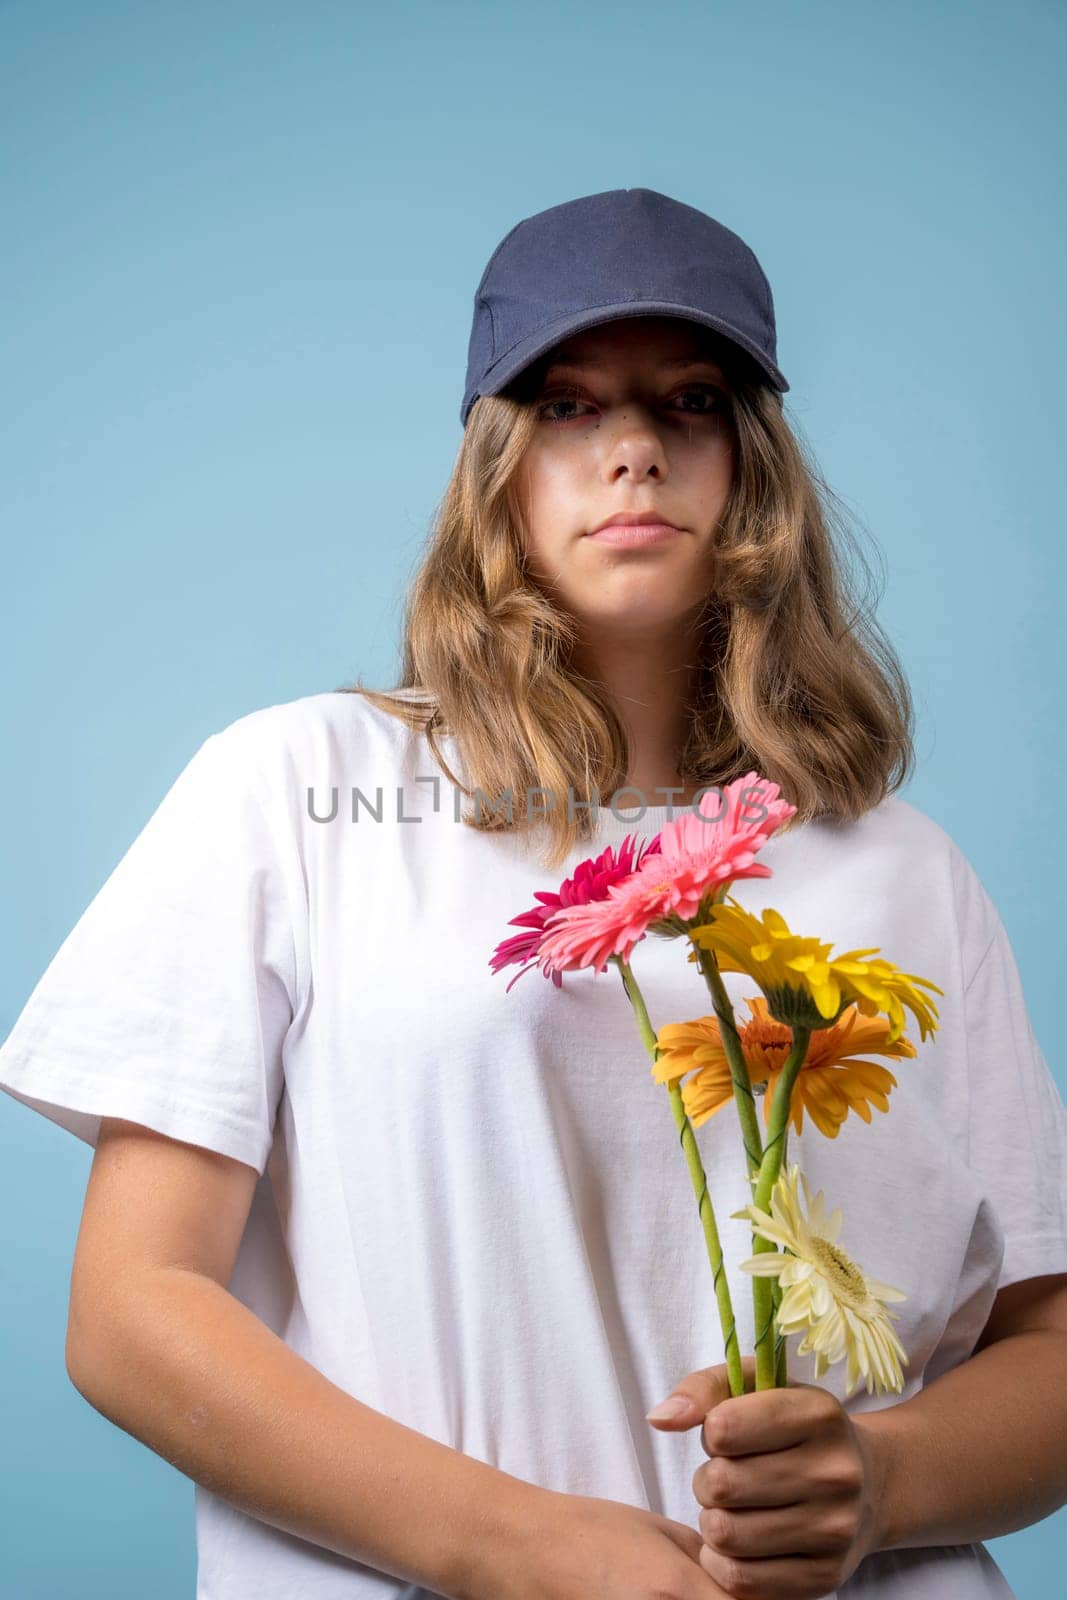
[(392, 1255)]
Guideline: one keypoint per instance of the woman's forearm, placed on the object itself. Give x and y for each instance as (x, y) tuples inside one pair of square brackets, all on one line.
[(189, 1370), (980, 1452)]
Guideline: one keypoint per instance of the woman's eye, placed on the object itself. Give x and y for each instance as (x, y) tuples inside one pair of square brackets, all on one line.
[(712, 397), (547, 405), (710, 403)]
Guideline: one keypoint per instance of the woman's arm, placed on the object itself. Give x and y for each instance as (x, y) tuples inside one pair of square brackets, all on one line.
[(197, 1377), (160, 1347), (982, 1450)]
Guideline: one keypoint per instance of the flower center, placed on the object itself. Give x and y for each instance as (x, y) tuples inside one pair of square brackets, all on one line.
[(845, 1276)]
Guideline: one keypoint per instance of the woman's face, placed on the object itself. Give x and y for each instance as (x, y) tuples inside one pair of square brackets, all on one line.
[(632, 417)]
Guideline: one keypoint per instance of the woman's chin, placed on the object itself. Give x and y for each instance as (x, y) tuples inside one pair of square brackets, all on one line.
[(633, 620)]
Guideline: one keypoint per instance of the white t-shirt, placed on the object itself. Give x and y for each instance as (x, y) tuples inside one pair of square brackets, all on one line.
[(472, 1212)]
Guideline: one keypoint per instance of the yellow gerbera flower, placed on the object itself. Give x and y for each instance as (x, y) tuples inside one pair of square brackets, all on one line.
[(831, 1083), (803, 983), (824, 1291)]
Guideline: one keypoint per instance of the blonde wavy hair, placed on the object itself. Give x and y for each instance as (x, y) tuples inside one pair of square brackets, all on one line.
[(796, 679)]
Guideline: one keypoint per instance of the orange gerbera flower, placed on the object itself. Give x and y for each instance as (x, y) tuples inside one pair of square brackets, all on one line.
[(832, 1082)]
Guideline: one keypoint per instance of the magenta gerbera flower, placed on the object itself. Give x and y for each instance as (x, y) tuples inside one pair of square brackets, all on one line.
[(589, 882)]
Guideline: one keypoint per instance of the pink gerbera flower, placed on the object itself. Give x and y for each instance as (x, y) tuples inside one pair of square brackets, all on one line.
[(702, 853), (590, 881), (584, 936), (698, 854)]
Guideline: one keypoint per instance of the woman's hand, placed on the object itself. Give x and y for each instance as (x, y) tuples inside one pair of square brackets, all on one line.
[(579, 1547), (791, 1491)]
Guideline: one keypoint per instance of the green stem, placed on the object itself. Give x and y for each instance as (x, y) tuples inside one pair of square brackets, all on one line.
[(747, 1116), (735, 1055), (781, 1351), (770, 1167), (699, 1181)]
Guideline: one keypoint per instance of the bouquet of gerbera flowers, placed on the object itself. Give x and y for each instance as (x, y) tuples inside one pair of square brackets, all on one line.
[(804, 1048)]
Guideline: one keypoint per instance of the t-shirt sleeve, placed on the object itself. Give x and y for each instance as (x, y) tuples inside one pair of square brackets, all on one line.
[(169, 1001), (1017, 1120)]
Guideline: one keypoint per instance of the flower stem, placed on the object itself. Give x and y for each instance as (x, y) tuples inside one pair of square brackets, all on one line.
[(770, 1167), (735, 1055), (747, 1116), (781, 1350), (699, 1181)]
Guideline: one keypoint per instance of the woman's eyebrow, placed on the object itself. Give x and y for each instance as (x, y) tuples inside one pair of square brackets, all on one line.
[(673, 365)]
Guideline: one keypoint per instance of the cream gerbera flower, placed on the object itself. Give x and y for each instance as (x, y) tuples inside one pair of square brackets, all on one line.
[(825, 1291)]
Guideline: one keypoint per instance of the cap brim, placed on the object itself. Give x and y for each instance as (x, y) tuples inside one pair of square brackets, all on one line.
[(521, 355)]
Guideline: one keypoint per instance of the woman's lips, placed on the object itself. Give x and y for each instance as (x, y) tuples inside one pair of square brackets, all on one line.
[(635, 534)]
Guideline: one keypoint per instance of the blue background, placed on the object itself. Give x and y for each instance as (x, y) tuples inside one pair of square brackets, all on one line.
[(241, 246)]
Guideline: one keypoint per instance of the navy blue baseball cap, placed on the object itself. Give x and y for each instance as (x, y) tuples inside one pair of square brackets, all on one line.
[(623, 253)]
